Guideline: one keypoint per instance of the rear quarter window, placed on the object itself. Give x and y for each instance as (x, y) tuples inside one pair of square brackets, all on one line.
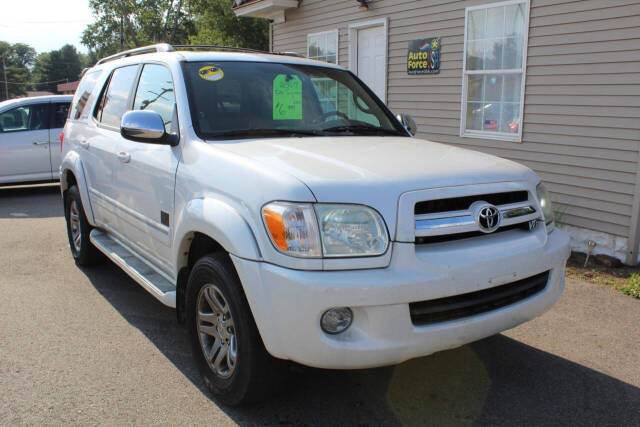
[(83, 96)]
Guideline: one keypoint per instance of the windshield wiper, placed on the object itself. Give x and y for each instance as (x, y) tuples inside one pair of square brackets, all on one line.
[(267, 132), (363, 129)]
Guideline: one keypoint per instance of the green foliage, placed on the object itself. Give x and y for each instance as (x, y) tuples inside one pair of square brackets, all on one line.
[(57, 66), (17, 59), (218, 25), (124, 24), (633, 287)]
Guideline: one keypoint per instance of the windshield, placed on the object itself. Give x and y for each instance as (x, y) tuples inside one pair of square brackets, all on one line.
[(256, 99)]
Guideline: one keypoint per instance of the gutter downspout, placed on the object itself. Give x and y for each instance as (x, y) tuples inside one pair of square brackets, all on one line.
[(634, 230)]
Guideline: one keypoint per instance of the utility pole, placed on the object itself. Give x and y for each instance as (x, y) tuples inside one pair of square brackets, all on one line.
[(6, 83)]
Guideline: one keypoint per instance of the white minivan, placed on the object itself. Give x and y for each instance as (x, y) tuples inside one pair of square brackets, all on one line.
[(30, 138)]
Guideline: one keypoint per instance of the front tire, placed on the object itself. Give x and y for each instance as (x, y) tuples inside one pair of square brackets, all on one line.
[(226, 345), (78, 229)]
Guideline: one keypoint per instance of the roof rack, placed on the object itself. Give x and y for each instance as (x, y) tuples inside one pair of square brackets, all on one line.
[(165, 47), (160, 47), (215, 47)]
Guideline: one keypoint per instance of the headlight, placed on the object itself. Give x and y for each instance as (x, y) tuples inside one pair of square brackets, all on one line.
[(351, 230), (329, 230), (545, 204), (293, 228)]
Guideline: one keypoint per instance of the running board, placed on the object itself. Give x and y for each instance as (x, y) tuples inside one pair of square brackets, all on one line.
[(139, 271)]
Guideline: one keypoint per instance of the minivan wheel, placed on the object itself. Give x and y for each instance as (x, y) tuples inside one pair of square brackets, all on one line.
[(225, 342), (78, 229)]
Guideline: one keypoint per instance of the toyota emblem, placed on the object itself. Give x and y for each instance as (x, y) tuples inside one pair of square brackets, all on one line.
[(488, 218)]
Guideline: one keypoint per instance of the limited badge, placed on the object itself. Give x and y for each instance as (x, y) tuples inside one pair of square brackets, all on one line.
[(211, 73)]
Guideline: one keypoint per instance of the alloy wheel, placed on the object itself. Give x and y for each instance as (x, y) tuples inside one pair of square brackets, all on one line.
[(216, 331)]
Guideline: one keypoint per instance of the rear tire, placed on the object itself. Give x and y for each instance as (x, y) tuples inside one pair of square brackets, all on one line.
[(78, 229), (225, 341)]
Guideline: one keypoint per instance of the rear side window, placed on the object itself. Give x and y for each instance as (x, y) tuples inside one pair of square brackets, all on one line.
[(25, 118), (60, 112), (115, 100), (155, 93), (83, 93)]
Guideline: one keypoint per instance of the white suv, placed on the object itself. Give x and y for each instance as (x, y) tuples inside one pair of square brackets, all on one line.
[(286, 214)]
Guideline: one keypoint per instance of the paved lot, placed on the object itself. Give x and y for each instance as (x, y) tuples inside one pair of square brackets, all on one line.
[(86, 346)]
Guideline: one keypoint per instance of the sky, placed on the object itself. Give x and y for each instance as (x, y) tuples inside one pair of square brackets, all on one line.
[(44, 24)]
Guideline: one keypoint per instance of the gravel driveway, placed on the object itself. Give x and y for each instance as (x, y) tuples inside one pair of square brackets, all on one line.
[(91, 346)]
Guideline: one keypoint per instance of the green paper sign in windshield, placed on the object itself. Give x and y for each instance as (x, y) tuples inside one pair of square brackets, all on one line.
[(287, 97)]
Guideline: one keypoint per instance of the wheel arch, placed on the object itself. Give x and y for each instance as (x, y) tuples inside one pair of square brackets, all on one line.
[(208, 225), (72, 172)]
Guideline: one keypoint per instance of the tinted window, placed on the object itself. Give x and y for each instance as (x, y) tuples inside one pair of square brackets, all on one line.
[(60, 112), (27, 117), (155, 93), (83, 93), (240, 99), (115, 102)]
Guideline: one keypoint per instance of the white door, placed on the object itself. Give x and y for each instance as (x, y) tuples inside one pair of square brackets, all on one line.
[(24, 144), (145, 178), (372, 49)]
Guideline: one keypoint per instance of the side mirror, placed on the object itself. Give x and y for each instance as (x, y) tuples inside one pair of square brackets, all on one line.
[(145, 126), (408, 123)]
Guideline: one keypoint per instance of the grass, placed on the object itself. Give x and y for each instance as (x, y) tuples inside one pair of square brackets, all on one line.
[(624, 279), (633, 288)]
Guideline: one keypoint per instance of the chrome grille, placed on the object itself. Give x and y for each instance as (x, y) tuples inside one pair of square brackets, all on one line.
[(453, 218), (463, 203)]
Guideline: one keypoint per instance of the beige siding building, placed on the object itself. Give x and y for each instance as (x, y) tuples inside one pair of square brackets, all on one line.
[(553, 84)]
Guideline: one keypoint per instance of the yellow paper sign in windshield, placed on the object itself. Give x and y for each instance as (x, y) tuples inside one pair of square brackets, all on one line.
[(211, 73), (287, 97)]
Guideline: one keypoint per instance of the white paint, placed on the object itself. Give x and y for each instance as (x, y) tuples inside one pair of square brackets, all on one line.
[(371, 58), (606, 243), (375, 52)]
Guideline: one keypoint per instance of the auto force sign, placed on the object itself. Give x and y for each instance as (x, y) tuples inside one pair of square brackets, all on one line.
[(424, 56)]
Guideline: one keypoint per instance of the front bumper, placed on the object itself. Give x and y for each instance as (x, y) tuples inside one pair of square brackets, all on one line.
[(287, 304)]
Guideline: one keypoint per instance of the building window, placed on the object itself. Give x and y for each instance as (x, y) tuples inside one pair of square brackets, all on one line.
[(324, 47), (494, 70)]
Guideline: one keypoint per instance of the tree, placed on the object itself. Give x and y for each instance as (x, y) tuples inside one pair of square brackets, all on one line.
[(124, 24), (57, 66), (16, 58), (218, 25)]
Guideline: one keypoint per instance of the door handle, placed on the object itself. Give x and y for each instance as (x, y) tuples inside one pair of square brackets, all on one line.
[(83, 143), (40, 142), (124, 157)]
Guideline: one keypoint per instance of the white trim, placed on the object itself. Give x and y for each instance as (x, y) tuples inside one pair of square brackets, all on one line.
[(353, 47), (270, 9), (463, 97), (335, 32)]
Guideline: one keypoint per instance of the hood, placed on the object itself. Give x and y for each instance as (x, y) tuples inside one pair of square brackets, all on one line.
[(375, 171)]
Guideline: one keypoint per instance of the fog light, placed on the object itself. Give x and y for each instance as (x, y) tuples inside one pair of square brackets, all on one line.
[(336, 320)]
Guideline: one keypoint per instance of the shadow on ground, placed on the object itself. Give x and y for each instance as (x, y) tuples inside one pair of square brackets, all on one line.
[(494, 381), (36, 201)]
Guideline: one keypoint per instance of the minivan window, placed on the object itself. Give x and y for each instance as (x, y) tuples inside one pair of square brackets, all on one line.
[(60, 112), (24, 118), (155, 93), (234, 99), (115, 101)]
